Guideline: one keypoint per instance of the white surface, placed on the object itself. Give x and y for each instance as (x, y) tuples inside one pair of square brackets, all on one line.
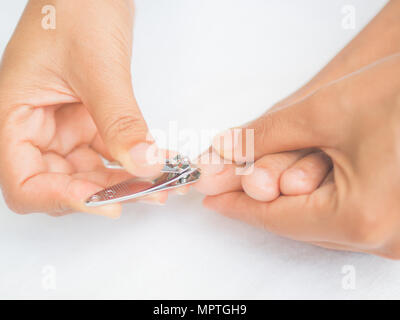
[(204, 64)]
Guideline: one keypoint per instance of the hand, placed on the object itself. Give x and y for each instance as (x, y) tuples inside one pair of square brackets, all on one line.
[(301, 171), (356, 122), (65, 98)]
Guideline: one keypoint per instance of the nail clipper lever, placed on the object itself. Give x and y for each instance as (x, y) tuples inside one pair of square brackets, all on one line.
[(175, 173)]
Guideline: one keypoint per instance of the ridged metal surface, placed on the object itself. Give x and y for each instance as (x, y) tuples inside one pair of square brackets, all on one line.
[(177, 172)]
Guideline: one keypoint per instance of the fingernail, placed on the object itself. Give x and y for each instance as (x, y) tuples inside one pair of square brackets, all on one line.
[(229, 144), (261, 185), (295, 180), (210, 163), (295, 173), (146, 158)]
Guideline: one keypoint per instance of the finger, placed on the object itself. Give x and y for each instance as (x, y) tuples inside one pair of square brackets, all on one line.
[(72, 126), (98, 145), (57, 164), (75, 127), (305, 175), (308, 123), (307, 218), (216, 176), (329, 179), (335, 246), (111, 102), (182, 190), (56, 193), (85, 159), (262, 183), (36, 182)]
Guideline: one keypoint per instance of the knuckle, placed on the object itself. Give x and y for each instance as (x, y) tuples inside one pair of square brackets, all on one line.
[(122, 127)]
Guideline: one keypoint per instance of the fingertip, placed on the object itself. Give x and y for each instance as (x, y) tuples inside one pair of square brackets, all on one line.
[(294, 181), (208, 202), (202, 186), (112, 211), (143, 160), (182, 190), (225, 181), (261, 184), (77, 193), (158, 198), (210, 163), (306, 175), (212, 167)]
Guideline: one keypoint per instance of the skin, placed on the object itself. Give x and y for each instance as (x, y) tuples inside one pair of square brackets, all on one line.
[(351, 125), (302, 171), (65, 99), (357, 206)]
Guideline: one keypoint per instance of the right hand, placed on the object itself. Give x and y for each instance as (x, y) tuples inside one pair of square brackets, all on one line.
[(65, 97)]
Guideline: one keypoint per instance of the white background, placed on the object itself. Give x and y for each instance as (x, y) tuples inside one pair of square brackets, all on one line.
[(207, 64)]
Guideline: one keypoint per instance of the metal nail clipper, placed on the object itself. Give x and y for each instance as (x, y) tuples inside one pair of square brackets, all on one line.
[(176, 172)]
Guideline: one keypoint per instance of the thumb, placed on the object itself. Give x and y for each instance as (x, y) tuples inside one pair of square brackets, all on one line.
[(297, 126), (120, 123)]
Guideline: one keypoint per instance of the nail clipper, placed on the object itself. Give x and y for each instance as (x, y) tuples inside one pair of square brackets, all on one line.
[(176, 172)]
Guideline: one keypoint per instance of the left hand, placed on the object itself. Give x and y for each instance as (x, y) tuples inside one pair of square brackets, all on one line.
[(356, 122)]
